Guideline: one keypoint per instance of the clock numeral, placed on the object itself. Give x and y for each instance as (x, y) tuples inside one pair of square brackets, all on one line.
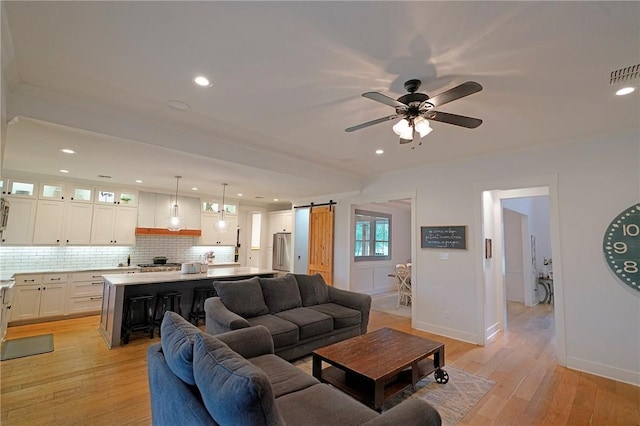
[(631, 230), (620, 247), (631, 267)]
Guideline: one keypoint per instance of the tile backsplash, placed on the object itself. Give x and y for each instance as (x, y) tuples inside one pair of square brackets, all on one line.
[(176, 249)]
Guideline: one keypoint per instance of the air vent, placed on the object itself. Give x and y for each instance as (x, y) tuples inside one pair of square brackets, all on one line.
[(625, 74), (104, 176)]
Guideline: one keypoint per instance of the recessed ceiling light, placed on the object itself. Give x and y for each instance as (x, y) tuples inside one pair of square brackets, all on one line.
[(625, 91), (239, 195), (379, 151), (194, 189), (202, 81), (138, 181), (64, 171), (275, 199), (68, 151), (180, 106)]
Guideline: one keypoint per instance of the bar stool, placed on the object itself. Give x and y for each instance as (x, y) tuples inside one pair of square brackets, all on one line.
[(200, 294), (166, 301), (138, 316)]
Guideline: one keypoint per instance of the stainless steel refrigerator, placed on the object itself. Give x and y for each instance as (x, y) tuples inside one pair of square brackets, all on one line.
[(281, 252)]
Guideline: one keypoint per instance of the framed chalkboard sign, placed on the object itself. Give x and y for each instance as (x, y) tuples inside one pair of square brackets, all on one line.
[(443, 237)]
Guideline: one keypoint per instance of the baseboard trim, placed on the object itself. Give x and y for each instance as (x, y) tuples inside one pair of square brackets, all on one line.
[(603, 370), (447, 332), (492, 331)]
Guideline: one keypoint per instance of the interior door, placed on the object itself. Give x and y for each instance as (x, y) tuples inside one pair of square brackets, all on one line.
[(321, 242)]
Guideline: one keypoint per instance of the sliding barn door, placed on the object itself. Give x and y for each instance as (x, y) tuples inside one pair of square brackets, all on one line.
[(321, 242)]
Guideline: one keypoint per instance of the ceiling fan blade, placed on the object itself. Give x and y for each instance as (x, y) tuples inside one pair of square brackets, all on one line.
[(371, 123), (465, 89), (455, 119), (379, 97)]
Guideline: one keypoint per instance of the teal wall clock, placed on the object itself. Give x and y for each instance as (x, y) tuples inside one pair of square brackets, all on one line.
[(621, 246)]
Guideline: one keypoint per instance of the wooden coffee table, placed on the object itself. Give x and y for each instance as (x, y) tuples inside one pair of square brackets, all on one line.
[(375, 366)]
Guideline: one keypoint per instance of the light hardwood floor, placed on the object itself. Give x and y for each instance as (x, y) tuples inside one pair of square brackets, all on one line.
[(82, 382)]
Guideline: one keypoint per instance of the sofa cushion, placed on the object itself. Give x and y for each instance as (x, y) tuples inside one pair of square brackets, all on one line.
[(280, 293), (283, 332), (323, 405), (243, 297), (177, 345), (284, 377), (310, 323), (342, 316), (313, 289), (233, 390)]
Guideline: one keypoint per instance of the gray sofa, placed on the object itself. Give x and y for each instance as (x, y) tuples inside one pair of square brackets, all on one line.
[(301, 311), (234, 378)]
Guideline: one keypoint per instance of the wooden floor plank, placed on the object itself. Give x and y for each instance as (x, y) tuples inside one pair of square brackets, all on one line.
[(82, 382)]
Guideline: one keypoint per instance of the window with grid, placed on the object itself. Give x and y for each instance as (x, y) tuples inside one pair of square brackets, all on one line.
[(372, 236)]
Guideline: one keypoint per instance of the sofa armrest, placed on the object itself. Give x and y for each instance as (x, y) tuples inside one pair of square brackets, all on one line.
[(351, 299), (249, 342), (411, 412), (219, 319)]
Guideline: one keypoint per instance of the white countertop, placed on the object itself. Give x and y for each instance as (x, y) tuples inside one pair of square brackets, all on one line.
[(72, 270), (163, 277)]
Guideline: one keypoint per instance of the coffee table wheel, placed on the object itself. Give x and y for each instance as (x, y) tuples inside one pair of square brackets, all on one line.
[(441, 376)]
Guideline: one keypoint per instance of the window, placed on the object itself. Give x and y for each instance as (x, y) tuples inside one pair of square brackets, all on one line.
[(372, 236)]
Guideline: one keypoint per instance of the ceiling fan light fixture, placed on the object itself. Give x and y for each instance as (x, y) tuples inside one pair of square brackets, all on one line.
[(401, 127), (422, 127)]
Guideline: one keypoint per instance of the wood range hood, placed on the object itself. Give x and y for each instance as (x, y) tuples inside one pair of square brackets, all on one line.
[(163, 232)]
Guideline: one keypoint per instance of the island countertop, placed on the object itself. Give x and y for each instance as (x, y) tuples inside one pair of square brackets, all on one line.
[(164, 277)]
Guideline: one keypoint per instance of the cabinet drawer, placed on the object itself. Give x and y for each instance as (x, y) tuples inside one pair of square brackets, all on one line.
[(84, 289), (88, 276), (28, 279), (84, 305), (54, 278)]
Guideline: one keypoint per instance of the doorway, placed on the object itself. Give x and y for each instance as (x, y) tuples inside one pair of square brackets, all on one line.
[(520, 202)]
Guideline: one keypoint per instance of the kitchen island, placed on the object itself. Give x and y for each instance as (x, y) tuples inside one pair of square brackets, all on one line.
[(117, 287)]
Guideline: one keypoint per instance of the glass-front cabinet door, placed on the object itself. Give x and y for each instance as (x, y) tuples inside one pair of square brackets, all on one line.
[(82, 194), (51, 192), (21, 188)]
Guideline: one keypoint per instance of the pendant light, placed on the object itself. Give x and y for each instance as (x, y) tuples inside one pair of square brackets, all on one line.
[(221, 224), (175, 222)]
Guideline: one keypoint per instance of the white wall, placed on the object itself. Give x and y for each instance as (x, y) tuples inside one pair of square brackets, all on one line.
[(596, 180)]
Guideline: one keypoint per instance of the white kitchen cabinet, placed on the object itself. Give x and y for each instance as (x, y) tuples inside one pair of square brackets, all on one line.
[(19, 188), (77, 229), (51, 191), (46, 297), (116, 197), (22, 214), (280, 221), (84, 292), (114, 225), (210, 236), (49, 221), (154, 209)]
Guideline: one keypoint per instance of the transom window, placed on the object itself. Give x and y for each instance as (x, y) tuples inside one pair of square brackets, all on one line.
[(372, 236)]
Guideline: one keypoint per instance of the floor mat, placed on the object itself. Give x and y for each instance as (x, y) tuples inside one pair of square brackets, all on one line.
[(26, 346)]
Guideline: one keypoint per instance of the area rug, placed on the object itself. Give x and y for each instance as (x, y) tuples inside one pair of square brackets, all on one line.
[(453, 400), (26, 346), (389, 304)]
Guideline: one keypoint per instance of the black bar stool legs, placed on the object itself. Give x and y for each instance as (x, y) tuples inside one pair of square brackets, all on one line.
[(166, 301), (197, 305), (138, 316)]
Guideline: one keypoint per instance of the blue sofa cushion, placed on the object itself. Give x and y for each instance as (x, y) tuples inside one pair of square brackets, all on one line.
[(311, 323), (313, 289), (283, 332), (342, 316), (281, 293), (234, 391), (243, 297), (177, 345)]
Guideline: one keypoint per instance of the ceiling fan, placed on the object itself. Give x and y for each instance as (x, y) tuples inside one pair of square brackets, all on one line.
[(415, 109)]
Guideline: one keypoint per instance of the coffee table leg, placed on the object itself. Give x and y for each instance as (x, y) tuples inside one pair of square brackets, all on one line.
[(378, 395), (317, 366)]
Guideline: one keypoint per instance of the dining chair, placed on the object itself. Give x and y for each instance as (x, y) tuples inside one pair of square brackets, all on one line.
[(403, 275)]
